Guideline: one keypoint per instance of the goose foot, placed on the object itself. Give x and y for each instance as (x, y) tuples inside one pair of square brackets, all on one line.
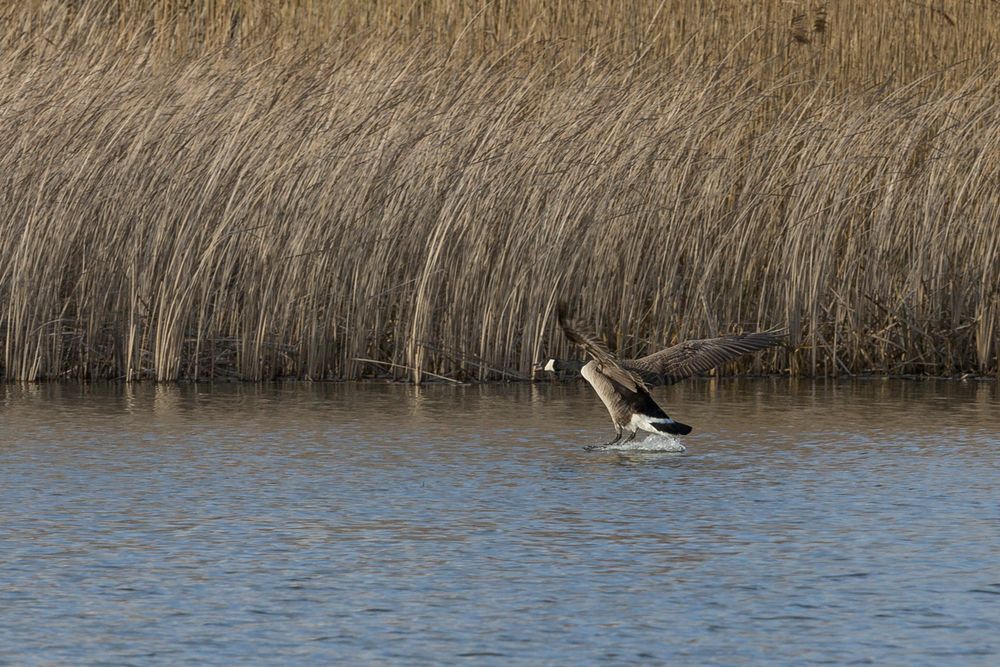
[(591, 448)]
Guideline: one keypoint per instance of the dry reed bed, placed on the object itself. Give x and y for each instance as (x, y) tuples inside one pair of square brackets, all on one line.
[(228, 216), (848, 42)]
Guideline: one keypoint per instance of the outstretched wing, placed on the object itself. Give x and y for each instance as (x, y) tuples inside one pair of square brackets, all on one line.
[(697, 356), (593, 346)]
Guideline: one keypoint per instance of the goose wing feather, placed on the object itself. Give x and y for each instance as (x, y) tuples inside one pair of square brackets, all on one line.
[(607, 363), (697, 356)]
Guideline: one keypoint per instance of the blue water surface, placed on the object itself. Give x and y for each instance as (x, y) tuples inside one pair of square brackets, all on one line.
[(807, 523)]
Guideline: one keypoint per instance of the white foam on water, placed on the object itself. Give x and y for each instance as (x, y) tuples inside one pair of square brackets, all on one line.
[(652, 443)]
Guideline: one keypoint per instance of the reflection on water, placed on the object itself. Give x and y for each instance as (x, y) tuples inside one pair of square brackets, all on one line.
[(807, 522)]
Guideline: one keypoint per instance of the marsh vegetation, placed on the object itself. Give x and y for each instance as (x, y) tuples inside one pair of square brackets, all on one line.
[(343, 190)]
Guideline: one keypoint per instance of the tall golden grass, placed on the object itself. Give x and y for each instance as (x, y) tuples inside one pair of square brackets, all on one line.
[(849, 41), (183, 199)]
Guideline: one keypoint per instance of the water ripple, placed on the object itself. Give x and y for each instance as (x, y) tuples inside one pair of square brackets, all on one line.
[(807, 523)]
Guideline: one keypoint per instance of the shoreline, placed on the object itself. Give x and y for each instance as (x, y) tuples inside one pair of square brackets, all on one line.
[(966, 377)]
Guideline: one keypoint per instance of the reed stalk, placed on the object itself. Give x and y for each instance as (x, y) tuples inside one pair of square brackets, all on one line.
[(320, 190)]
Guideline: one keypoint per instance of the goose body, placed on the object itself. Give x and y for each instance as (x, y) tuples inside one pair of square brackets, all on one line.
[(631, 407), (623, 384)]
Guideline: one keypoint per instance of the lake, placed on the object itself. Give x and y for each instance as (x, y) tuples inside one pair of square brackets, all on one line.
[(827, 522)]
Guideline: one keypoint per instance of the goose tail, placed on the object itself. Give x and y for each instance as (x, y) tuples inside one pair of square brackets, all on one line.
[(672, 427)]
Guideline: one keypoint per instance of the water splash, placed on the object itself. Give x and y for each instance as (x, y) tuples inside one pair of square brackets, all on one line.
[(651, 443)]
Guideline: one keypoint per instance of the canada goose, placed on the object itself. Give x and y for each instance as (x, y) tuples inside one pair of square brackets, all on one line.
[(623, 384)]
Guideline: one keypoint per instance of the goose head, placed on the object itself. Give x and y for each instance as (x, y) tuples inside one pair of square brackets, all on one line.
[(557, 366)]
